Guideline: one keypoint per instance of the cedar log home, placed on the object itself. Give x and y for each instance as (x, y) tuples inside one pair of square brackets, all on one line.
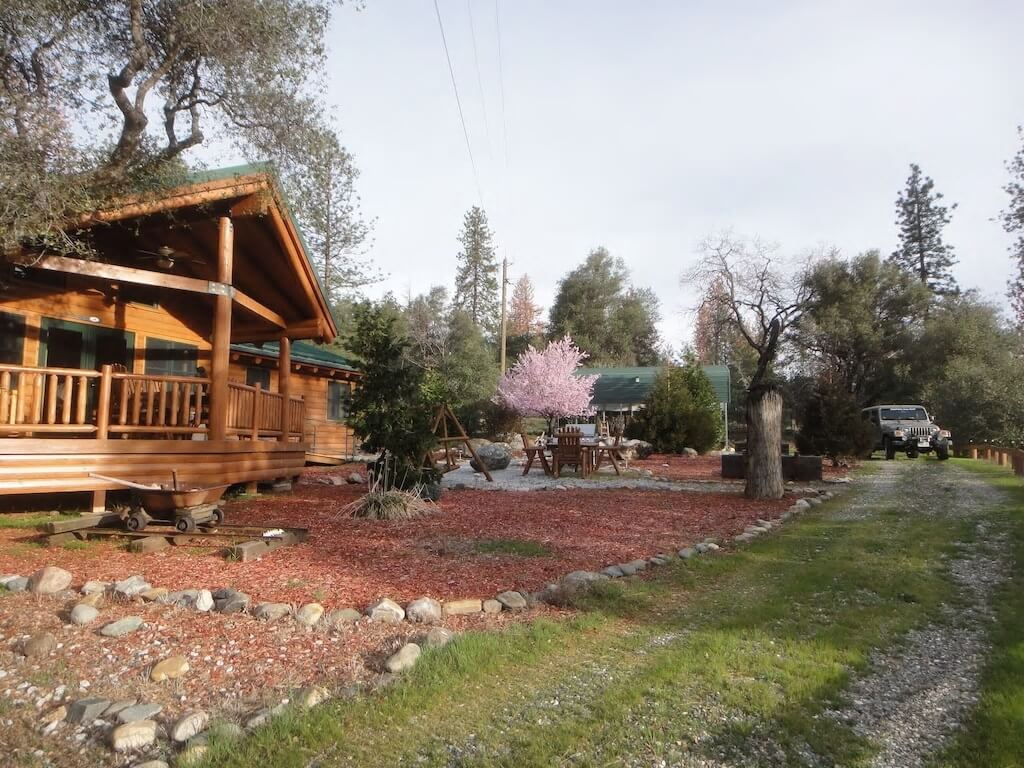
[(172, 349)]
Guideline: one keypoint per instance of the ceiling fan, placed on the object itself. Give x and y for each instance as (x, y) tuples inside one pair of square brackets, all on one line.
[(164, 257)]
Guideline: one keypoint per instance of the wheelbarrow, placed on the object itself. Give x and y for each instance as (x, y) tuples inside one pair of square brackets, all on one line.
[(186, 508)]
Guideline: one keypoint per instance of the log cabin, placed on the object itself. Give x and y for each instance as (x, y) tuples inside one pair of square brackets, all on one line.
[(178, 345)]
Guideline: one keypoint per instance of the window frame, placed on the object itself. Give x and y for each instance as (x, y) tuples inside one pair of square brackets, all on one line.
[(169, 345), (338, 410)]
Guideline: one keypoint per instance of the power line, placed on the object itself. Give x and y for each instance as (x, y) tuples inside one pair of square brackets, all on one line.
[(501, 82), (479, 79), (458, 101)]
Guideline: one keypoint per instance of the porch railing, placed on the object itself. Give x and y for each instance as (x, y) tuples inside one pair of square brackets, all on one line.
[(41, 401)]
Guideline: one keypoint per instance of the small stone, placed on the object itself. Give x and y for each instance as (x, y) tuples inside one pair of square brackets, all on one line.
[(801, 504), (309, 614), (54, 715), (405, 658), (744, 537), (17, 584), (711, 546), (343, 616), (462, 607), (204, 601), (355, 479), (256, 719), (93, 587), (272, 611), (230, 601), (94, 599), (131, 736), (580, 581), (194, 751), (154, 593), (169, 669), (312, 696), (189, 725), (151, 764), (425, 610), (83, 614), (8, 578), (119, 706), (386, 610), (613, 572), (633, 567), (84, 711), (131, 586), (49, 581), (658, 560), (687, 552), (122, 627), (512, 600), (438, 637), (138, 712), (492, 606), (39, 644)]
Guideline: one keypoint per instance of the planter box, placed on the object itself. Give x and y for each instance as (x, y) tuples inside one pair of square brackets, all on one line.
[(799, 468)]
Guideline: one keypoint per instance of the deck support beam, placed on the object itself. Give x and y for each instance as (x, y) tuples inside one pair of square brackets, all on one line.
[(221, 341), (284, 385)]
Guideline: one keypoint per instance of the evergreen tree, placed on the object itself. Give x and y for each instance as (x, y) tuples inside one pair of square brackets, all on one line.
[(1013, 222), (476, 282), (680, 411), (921, 218), (523, 312)]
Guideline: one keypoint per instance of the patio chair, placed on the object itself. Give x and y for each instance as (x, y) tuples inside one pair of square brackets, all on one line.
[(534, 450), (567, 451)]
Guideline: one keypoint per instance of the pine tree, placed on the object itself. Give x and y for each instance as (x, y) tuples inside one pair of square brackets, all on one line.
[(713, 331), (1013, 222), (523, 313), (920, 218), (476, 283)]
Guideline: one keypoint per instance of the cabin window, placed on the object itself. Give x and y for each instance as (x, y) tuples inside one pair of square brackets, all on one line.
[(338, 398), (171, 358), (12, 338), (261, 376)]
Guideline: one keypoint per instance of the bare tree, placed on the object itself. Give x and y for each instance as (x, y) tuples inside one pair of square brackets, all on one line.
[(746, 280)]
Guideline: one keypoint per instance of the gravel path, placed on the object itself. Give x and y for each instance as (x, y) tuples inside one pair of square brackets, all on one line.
[(919, 692)]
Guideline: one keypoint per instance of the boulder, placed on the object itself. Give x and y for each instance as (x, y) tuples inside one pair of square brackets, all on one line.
[(39, 644), (386, 610), (138, 712), (170, 668), (121, 627), (49, 581), (84, 711), (635, 449), (312, 696), (425, 610), (462, 607), (405, 658), (309, 614), (512, 601), (438, 637), (342, 616), (493, 456), (272, 611), (492, 606), (17, 584), (189, 725), (131, 586), (132, 736), (83, 614)]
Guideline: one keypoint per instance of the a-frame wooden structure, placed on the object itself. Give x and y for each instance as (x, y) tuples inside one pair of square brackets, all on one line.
[(440, 430)]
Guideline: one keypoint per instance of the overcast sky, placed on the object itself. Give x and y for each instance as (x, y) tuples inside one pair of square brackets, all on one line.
[(646, 126)]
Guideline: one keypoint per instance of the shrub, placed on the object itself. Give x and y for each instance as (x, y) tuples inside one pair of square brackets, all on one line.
[(831, 424), (681, 411)]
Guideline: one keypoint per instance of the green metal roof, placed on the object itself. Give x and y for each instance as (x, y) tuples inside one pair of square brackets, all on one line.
[(629, 386), (302, 352)]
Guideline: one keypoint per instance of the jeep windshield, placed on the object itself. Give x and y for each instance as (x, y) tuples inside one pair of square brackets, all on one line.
[(904, 414)]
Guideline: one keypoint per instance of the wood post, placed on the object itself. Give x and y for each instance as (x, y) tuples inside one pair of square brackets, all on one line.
[(284, 385), (256, 402), (99, 501), (103, 404), (221, 342)]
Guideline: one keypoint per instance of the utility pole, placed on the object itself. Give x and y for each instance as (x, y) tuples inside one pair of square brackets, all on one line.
[(504, 330)]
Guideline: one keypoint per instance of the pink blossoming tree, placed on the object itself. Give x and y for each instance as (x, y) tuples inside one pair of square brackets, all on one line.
[(544, 383)]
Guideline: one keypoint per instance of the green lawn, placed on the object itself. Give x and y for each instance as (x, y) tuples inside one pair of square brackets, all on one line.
[(702, 657)]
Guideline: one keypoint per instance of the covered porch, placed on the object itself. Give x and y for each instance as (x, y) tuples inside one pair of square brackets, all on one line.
[(119, 364)]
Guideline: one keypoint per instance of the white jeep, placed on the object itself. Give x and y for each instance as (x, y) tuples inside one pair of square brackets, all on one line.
[(906, 428)]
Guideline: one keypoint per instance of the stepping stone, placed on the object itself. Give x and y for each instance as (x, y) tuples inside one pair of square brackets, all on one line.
[(83, 614), (169, 669), (462, 607), (386, 610), (132, 736), (189, 725), (425, 610), (49, 581), (39, 644), (512, 600), (84, 711), (138, 712), (405, 658), (122, 627)]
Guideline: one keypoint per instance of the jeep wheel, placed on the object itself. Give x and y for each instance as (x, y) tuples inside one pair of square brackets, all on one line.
[(942, 452), (912, 454), (890, 449)]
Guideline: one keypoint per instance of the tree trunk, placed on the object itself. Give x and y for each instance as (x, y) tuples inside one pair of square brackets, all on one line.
[(764, 444)]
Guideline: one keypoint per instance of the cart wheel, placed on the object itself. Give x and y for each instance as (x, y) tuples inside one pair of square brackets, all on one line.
[(136, 521), (185, 525), (218, 516)]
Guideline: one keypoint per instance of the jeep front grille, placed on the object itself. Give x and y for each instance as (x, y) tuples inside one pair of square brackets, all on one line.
[(917, 431)]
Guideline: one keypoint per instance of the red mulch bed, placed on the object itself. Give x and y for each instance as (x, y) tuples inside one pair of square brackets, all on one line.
[(683, 468)]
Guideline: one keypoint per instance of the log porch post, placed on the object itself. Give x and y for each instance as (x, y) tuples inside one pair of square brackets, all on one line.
[(221, 342), (284, 385)]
